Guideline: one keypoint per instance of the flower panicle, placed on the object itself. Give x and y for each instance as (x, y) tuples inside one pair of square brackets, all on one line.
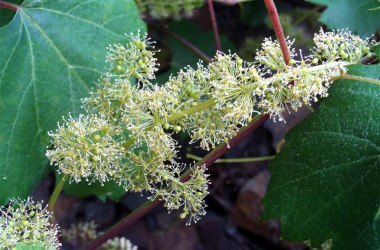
[(127, 133), (28, 222), (340, 45), (109, 97), (135, 59), (190, 85), (270, 57), (187, 195), (86, 148)]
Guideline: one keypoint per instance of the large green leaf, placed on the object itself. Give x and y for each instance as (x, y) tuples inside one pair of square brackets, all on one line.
[(50, 56), (183, 56), (356, 15), (325, 183)]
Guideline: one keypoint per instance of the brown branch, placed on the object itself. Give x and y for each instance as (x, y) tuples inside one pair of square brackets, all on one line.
[(214, 25), (9, 6), (273, 14), (208, 160)]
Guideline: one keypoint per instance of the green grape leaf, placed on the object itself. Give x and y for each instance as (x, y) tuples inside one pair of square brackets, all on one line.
[(325, 183), (183, 56), (51, 54), (355, 15)]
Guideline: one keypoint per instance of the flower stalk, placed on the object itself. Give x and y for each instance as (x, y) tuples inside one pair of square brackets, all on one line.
[(60, 182), (234, 160), (358, 78), (9, 6)]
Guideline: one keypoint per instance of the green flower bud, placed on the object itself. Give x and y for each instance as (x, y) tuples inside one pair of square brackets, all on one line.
[(96, 137), (177, 128)]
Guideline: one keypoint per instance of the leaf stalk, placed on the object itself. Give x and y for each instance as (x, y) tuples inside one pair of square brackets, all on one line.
[(9, 6)]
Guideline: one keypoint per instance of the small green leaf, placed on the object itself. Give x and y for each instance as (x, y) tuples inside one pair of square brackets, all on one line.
[(355, 15), (51, 53), (183, 56), (325, 183)]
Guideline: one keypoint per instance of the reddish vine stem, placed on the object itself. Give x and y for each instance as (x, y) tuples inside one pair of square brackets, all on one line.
[(273, 14), (214, 25), (208, 160), (9, 6)]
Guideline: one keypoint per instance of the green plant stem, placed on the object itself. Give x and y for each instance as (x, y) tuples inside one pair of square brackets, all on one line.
[(234, 160), (279, 145), (273, 14), (199, 107), (9, 6), (208, 160), (358, 78), (179, 115), (309, 107), (57, 190), (214, 25)]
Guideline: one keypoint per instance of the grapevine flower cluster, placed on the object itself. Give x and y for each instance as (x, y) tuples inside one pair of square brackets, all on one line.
[(126, 131), (27, 222), (168, 8)]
